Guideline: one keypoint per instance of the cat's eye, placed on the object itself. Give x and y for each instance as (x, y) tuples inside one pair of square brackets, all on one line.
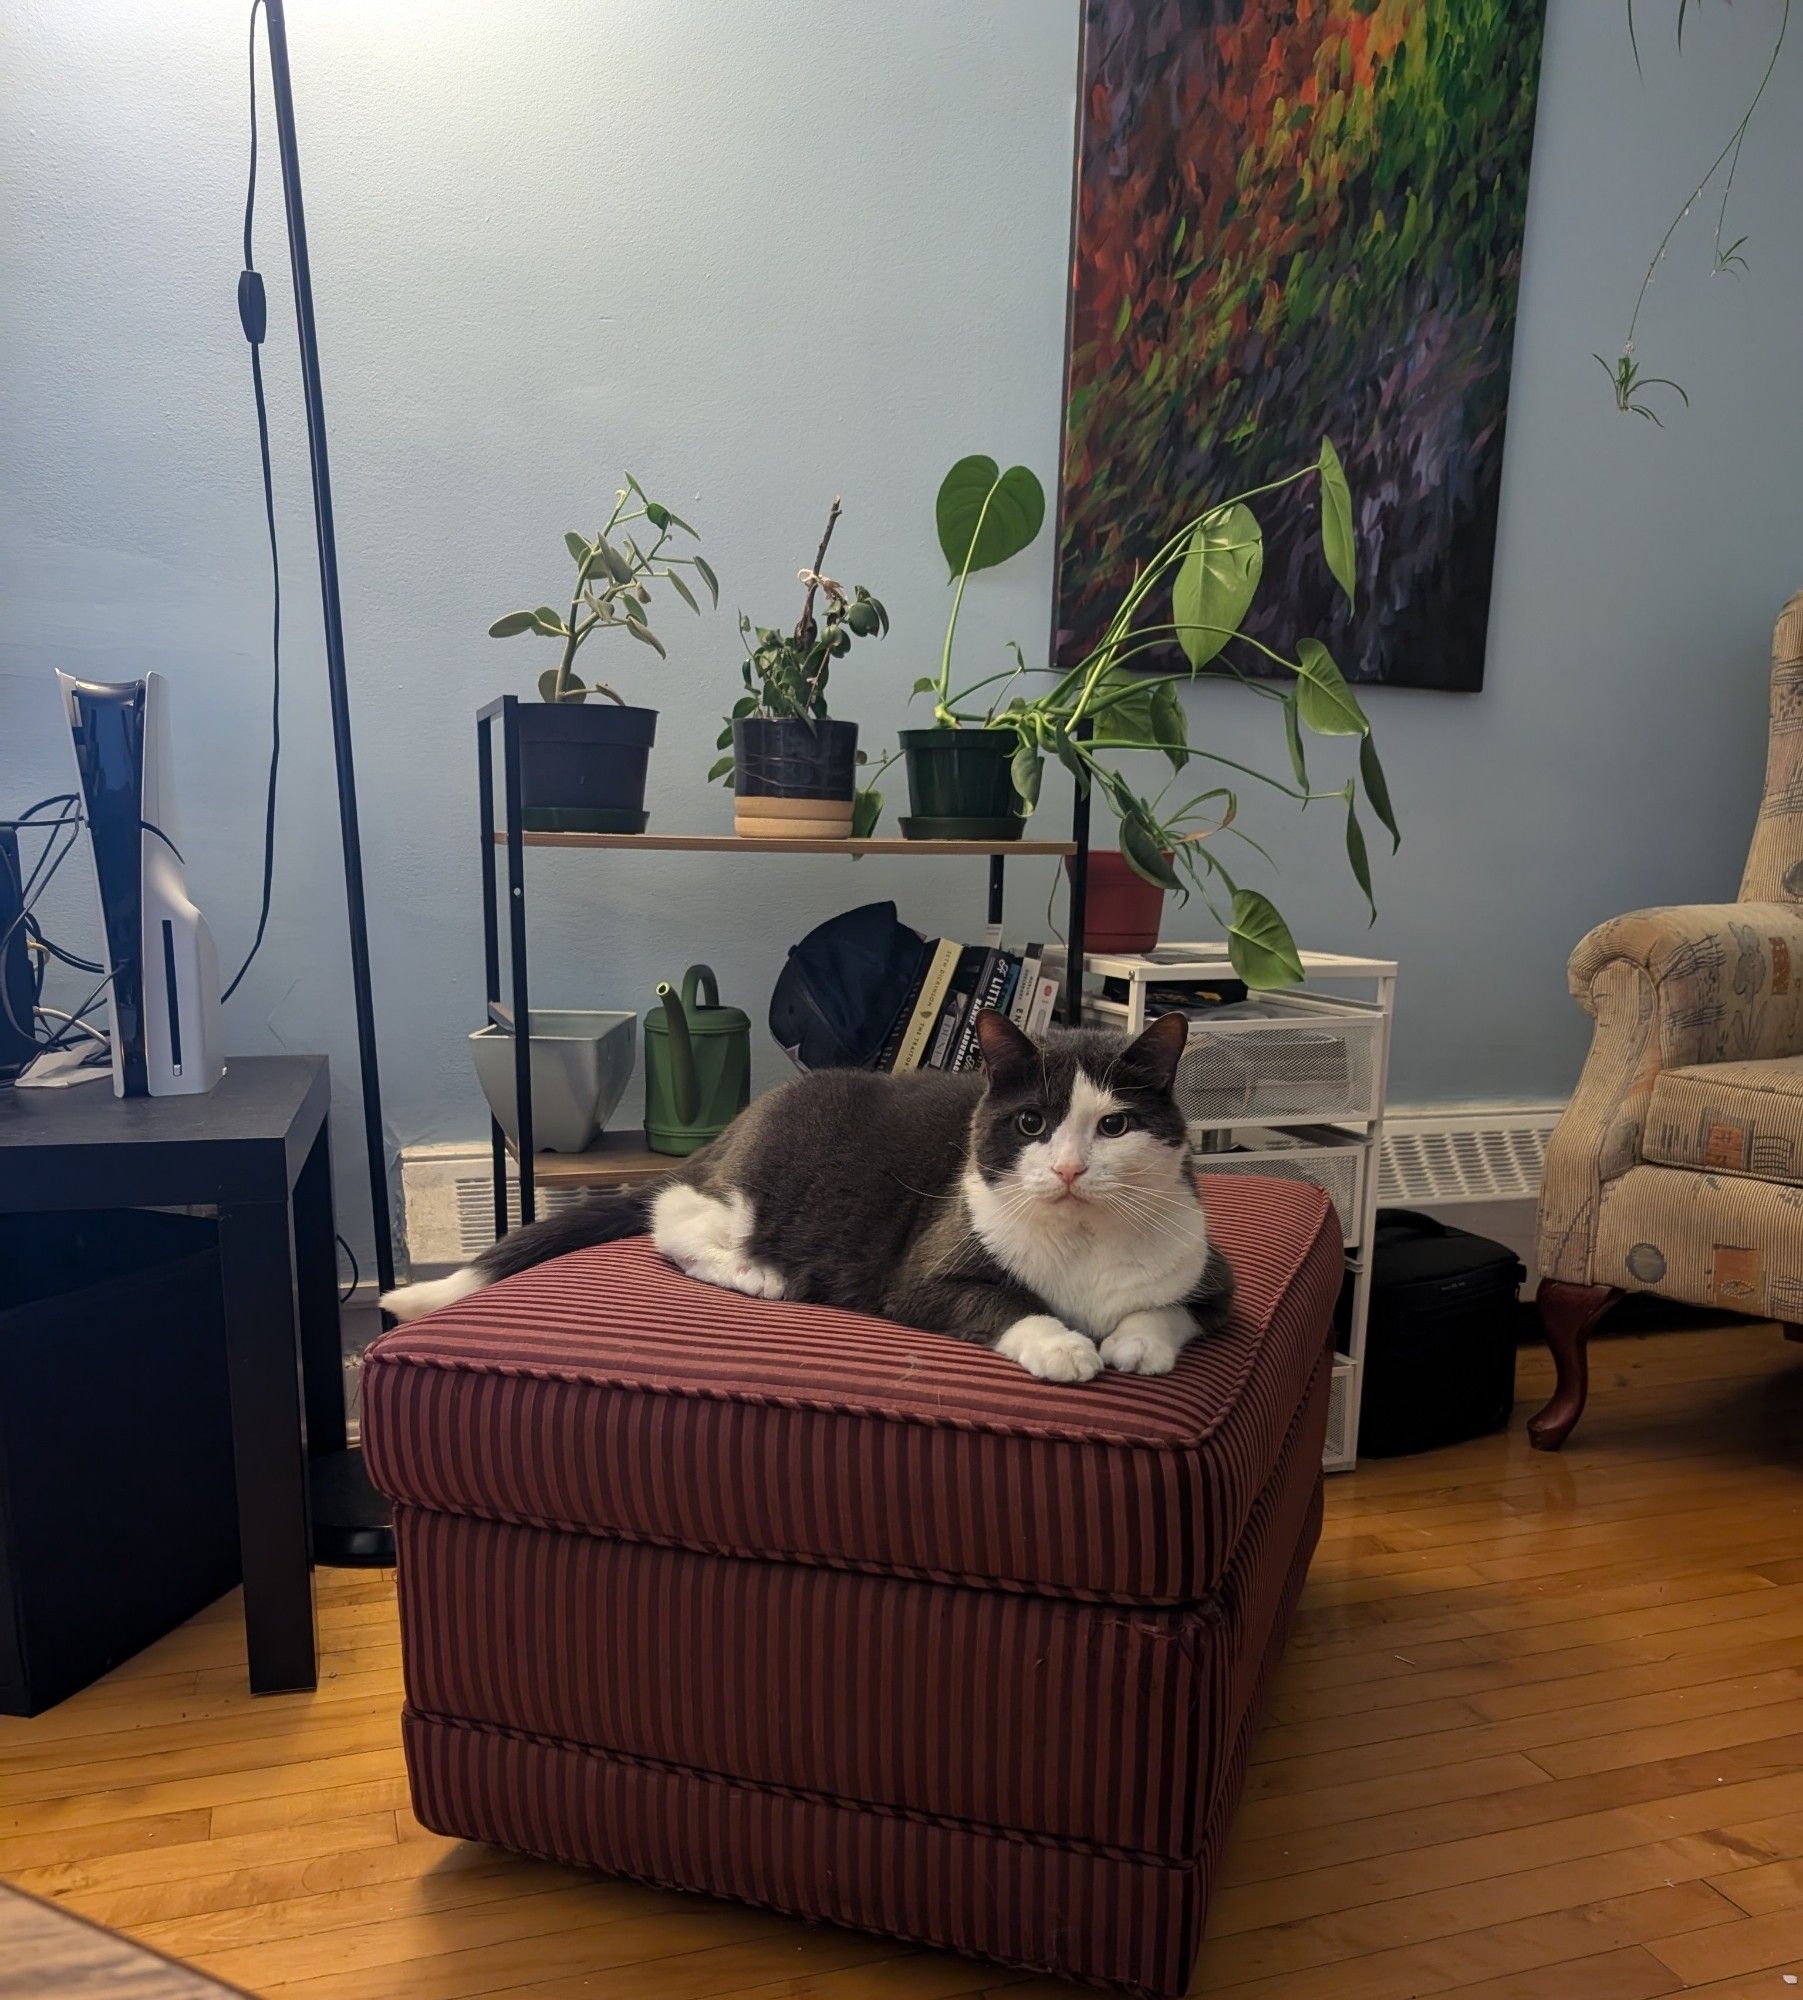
[(1112, 1124), (1029, 1124)]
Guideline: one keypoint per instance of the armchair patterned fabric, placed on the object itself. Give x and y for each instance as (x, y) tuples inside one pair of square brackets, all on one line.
[(1678, 1165)]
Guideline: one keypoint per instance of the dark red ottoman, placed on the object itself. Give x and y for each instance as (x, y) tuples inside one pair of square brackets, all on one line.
[(786, 1604)]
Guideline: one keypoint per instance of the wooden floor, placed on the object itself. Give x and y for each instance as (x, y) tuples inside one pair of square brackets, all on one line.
[(1539, 1736)]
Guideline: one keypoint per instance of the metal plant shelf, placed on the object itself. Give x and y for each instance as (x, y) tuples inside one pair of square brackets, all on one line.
[(617, 1158), (734, 843)]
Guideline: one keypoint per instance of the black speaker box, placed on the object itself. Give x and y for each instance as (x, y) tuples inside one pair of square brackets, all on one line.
[(117, 1511), (1440, 1343)]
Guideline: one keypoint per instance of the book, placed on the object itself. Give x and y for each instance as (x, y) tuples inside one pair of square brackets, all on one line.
[(1045, 1004), (892, 1042), (928, 1004), (1026, 985), (1005, 1001), (940, 1045), (995, 980)]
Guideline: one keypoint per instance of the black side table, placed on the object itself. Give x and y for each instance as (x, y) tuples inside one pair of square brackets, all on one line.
[(254, 1150)]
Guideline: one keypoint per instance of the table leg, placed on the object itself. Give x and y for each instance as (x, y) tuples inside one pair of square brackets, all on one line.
[(316, 1273), (269, 1442)]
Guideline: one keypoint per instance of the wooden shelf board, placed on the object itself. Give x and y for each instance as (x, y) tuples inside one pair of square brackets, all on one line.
[(732, 843), (613, 1158)]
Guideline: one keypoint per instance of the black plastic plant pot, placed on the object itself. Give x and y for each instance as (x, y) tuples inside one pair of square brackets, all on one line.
[(789, 758), (582, 766), (962, 774)]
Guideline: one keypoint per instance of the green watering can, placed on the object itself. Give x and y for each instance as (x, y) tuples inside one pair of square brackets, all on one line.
[(697, 1065)]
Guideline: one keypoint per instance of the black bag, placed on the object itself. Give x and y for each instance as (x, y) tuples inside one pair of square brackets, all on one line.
[(845, 984), (1440, 1344)]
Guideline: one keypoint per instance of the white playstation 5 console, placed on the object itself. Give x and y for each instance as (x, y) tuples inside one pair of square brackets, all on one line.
[(163, 990)]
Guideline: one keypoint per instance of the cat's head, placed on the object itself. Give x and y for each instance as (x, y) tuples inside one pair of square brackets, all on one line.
[(1083, 1117)]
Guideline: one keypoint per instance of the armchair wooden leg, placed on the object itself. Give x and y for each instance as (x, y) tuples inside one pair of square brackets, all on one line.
[(1567, 1313)]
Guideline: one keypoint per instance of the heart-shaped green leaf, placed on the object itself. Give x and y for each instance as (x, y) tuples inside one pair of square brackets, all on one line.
[(650, 638), (1217, 580), (573, 690), (1144, 854), (720, 768), (1377, 789), (1170, 730), (549, 622), (1026, 769), (1328, 706), (1292, 729), (1121, 705), (512, 625), (986, 515), (578, 547), (866, 810), (1259, 942), (1336, 521), (1356, 854)]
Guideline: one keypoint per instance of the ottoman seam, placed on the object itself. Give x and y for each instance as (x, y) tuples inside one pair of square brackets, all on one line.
[(1064, 1844), (377, 1357)]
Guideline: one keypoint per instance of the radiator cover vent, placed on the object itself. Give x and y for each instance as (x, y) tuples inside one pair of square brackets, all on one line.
[(1474, 1153)]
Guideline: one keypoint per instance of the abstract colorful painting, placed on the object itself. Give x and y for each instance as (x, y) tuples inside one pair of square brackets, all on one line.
[(1299, 218)]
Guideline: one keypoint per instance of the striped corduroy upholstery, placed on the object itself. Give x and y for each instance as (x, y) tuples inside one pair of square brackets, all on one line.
[(858, 1622), (1077, 1912), (619, 1645), (606, 1393)]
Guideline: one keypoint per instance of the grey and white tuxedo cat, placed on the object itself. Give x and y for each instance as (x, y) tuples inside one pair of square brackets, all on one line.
[(1044, 1207)]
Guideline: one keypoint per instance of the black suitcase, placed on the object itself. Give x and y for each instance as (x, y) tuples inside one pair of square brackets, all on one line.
[(1440, 1344)]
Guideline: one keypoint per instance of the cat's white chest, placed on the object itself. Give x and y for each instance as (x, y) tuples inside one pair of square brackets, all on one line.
[(1091, 1269)]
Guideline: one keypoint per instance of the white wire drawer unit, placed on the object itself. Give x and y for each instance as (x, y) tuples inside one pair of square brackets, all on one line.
[(1294, 1090)]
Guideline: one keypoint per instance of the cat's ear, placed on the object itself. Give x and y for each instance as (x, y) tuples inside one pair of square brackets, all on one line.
[(1157, 1051), (1006, 1051)]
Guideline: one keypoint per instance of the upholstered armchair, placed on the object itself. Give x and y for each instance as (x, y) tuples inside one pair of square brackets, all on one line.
[(1678, 1165)]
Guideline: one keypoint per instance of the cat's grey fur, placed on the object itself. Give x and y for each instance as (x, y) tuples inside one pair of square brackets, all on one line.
[(1068, 1245)]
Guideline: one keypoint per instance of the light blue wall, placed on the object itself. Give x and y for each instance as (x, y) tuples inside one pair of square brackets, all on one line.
[(760, 255)]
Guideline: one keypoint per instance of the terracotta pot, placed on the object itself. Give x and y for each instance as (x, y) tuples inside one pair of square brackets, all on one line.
[(1123, 910)]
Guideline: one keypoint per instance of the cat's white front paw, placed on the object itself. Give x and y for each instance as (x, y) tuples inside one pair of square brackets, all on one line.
[(733, 1273), (757, 1281), (1049, 1349), (1148, 1343)]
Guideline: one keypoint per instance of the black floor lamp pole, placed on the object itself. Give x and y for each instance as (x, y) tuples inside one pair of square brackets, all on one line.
[(350, 1520), (334, 632)]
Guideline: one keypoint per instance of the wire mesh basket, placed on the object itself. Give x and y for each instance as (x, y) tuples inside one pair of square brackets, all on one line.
[(1333, 1161), (1278, 1063)]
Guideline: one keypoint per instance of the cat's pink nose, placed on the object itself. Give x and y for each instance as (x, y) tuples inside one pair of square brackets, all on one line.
[(1070, 1175)]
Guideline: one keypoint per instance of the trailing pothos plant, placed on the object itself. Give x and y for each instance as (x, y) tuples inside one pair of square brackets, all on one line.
[(1194, 592), (613, 586), (786, 673), (1627, 379)]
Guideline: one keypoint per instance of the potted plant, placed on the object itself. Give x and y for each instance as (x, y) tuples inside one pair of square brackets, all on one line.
[(582, 769), (1107, 707), (792, 767), (960, 770)]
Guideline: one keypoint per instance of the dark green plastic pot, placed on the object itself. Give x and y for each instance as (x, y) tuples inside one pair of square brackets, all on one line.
[(582, 766), (961, 773)]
